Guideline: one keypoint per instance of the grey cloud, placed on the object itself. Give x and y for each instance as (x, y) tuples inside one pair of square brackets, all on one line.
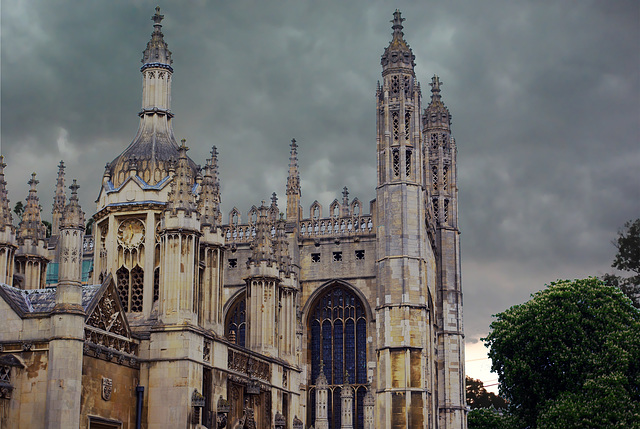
[(544, 97)]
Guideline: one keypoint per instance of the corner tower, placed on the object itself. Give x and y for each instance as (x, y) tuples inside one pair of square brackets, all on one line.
[(441, 179), (405, 267)]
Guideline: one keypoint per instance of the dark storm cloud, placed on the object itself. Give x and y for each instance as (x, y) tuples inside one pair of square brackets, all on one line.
[(544, 98)]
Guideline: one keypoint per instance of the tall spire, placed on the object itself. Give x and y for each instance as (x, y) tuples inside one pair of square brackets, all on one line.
[(293, 185), (209, 202), (5, 210), (398, 54), (31, 226), (157, 52), (436, 114), (59, 201), (181, 196)]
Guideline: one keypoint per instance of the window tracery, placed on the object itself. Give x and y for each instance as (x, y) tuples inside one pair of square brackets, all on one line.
[(407, 125), (434, 177), (395, 85), (236, 325), (395, 122), (445, 170), (337, 337), (396, 162), (434, 141), (408, 161), (446, 211)]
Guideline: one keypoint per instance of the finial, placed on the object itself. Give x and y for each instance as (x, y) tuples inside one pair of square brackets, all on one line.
[(74, 189), (157, 18), (274, 200), (33, 182), (214, 152), (435, 84), (293, 144), (397, 20), (345, 192)]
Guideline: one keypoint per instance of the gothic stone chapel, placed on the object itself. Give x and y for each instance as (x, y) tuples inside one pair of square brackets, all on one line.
[(171, 315)]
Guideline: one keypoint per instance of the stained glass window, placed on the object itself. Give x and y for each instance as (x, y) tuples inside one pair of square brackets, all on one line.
[(236, 326), (338, 336)]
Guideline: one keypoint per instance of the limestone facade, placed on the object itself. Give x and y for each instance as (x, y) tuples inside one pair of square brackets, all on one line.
[(348, 318)]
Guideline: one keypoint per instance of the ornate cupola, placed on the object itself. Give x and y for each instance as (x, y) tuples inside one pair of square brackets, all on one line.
[(154, 146)]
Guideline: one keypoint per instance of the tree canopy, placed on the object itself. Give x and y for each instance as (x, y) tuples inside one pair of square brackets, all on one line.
[(479, 397), (564, 346), (627, 259)]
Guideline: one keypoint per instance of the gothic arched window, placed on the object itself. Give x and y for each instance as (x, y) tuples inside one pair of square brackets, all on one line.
[(337, 332), (235, 325)]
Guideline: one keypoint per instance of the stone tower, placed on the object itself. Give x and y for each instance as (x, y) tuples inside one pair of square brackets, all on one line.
[(441, 180), (7, 232), (32, 255), (64, 376), (405, 272)]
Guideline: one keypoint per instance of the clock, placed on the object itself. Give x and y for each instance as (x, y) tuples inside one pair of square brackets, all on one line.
[(131, 233)]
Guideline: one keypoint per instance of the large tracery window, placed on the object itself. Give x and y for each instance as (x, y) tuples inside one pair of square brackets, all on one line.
[(338, 337)]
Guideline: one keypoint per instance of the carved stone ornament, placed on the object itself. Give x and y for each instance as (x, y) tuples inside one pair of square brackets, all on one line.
[(197, 399), (107, 388), (279, 420), (297, 423), (253, 387), (223, 405)]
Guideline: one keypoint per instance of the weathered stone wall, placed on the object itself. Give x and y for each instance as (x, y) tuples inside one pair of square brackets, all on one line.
[(122, 404)]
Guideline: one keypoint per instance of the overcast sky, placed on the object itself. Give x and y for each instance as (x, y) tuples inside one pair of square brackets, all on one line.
[(544, 95)]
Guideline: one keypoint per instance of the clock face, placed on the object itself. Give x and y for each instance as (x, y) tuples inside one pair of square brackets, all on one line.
[(131, 233)]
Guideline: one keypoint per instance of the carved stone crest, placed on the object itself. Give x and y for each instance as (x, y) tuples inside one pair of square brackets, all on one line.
[(107, 388)]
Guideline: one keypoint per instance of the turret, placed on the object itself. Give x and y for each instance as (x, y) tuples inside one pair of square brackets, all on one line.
[(179, 246), (32, 255), (64, 381), (263, 290), (405, 275), (294, 192), (59, 201), (7, 232), (441, 178), (212, 247)]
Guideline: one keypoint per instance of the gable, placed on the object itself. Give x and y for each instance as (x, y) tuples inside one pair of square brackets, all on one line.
[(105, 312)]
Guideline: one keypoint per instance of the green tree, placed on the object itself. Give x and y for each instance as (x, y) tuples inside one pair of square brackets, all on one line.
[(490, 418), (18, 209), (47, 225), (549, 350), (627, 259), (479, 397), (88, 229)]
